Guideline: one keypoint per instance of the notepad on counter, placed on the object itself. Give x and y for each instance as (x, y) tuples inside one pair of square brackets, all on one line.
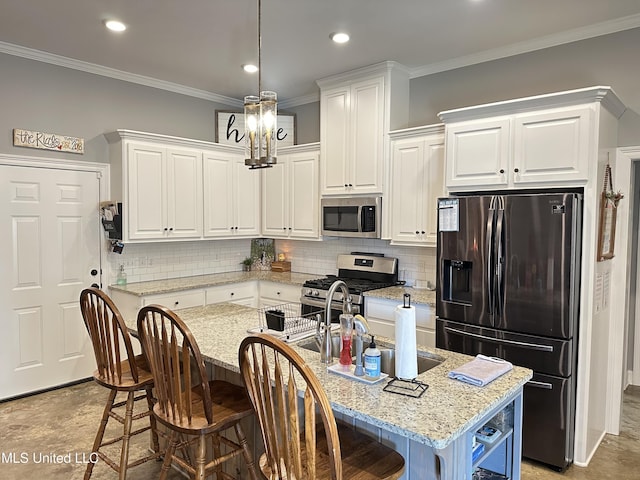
[(481, 370)]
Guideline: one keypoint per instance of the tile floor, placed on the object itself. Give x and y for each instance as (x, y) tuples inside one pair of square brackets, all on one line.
[(64, 421)]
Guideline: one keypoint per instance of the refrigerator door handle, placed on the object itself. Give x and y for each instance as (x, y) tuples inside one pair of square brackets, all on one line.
[(489, 243), (530, 346), (499, 257), (543, 385)]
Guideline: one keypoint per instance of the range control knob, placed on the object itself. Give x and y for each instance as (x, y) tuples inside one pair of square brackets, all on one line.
[(316, 293)]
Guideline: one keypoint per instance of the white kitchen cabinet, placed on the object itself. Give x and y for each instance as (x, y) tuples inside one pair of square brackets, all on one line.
[(417, 180), (357, 110), (162, 192), (380, 316), (245, 293), (231, 195), (531, 146), (272, 294), (290, 194)]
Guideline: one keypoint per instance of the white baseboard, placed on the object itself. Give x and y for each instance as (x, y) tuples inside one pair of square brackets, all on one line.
[(593, 451)]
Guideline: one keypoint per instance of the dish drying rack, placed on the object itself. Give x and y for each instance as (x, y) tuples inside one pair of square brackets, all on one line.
[(286, 322)]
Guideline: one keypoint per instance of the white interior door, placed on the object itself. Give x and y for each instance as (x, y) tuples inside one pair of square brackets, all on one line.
[(49, 245)]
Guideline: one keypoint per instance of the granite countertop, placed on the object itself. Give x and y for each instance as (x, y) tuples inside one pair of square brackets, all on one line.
[(446, 410), (169, 285), (418, 295)]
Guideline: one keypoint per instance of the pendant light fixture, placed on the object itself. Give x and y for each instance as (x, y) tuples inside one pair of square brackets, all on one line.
[(260, 118)]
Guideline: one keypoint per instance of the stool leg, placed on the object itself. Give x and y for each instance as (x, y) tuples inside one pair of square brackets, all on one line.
[(101, 429), (201, 457), (124, 455), (171, 448), (215, 444), (246, 452), (152, 420)]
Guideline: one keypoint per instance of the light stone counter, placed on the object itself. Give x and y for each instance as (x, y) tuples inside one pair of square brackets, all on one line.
[(202, 281), (446, 411), (418, 295)]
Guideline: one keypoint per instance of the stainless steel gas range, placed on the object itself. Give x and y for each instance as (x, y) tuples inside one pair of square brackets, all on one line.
[(361, 272)]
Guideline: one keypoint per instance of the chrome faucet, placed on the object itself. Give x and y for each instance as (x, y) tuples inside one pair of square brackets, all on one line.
[(361, 326), (324, 338)]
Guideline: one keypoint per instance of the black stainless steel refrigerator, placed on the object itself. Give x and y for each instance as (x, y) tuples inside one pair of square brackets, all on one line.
[(508, 286)]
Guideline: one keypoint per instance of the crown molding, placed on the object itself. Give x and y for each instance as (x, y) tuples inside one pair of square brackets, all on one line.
[(302, 100), (93, 68), (577, 34)]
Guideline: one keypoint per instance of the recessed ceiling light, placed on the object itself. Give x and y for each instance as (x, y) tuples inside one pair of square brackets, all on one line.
[(250, 68), (339, 37), (115, 25)]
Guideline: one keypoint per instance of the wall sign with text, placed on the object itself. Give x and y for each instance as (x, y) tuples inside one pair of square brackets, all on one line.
[(230, 128), (47, 141)]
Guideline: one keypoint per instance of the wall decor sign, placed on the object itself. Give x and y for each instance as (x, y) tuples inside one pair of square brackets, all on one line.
[(230, 128), (47, 141), (609, 200)]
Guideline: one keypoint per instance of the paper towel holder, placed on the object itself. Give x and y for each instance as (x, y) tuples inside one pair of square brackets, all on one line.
[(406, 300)]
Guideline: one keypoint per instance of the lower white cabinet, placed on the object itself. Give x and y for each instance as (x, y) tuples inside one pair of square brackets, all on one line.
[(272, 293), (244, 293), (380, 315)]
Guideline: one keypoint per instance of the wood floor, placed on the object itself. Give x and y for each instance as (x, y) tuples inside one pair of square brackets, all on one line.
[(41, 428)]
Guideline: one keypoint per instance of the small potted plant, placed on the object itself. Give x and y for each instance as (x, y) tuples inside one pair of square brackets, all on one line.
[(246, 264)]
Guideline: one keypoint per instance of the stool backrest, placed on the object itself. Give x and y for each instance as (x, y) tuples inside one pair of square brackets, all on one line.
[(109, 335), (176, 364), (274, 374)]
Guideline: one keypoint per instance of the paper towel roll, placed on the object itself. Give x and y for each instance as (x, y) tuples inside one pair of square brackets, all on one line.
[(406, 351)]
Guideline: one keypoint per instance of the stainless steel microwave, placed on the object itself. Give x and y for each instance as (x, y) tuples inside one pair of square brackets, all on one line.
[(351, 217)]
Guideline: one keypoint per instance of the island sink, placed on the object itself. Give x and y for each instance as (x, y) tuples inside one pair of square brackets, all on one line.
[(426, 361)]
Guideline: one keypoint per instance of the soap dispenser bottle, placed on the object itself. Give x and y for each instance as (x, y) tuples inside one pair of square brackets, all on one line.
[(372, 360), (121, 279)]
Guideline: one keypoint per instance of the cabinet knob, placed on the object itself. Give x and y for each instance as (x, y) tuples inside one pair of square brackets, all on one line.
[(232, 294), (502, 170), (176, 302), (284, 228), (422, 232), (351, 184), (165, 229), (171, 229), (516, 170), (417, 232), (346, 184), (289, 228), (277, 293)]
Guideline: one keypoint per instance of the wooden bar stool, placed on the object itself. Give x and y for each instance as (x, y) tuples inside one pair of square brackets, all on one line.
[(120, 371), (298, 444), (188, 404)]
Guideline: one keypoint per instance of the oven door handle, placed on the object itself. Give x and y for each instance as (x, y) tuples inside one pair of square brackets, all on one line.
[(321, 303)]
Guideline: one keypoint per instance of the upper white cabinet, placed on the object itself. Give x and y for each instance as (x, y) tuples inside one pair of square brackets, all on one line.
[(357, 110), (417, 180), (181, 189), (290, 194), (545, 140), (231, 195), (161, 190)]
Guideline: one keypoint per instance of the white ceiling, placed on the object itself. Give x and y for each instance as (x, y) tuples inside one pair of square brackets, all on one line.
[(198, 46)]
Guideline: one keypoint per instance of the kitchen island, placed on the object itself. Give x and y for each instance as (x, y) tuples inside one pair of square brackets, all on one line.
[(434, 433)]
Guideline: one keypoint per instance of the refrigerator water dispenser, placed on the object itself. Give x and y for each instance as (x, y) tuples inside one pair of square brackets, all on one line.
[(457, 281)]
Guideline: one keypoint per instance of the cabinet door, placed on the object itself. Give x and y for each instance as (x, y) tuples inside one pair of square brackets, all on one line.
[(434, 187), (246, 200), (304, 198), (274, 199), (184, 194), (365, 161), (407, 186), (334, 135), (218, 194), (552, 146), (146, 203), (477, 153)]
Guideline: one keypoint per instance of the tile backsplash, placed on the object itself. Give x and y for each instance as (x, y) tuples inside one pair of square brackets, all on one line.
[(157, 261)]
